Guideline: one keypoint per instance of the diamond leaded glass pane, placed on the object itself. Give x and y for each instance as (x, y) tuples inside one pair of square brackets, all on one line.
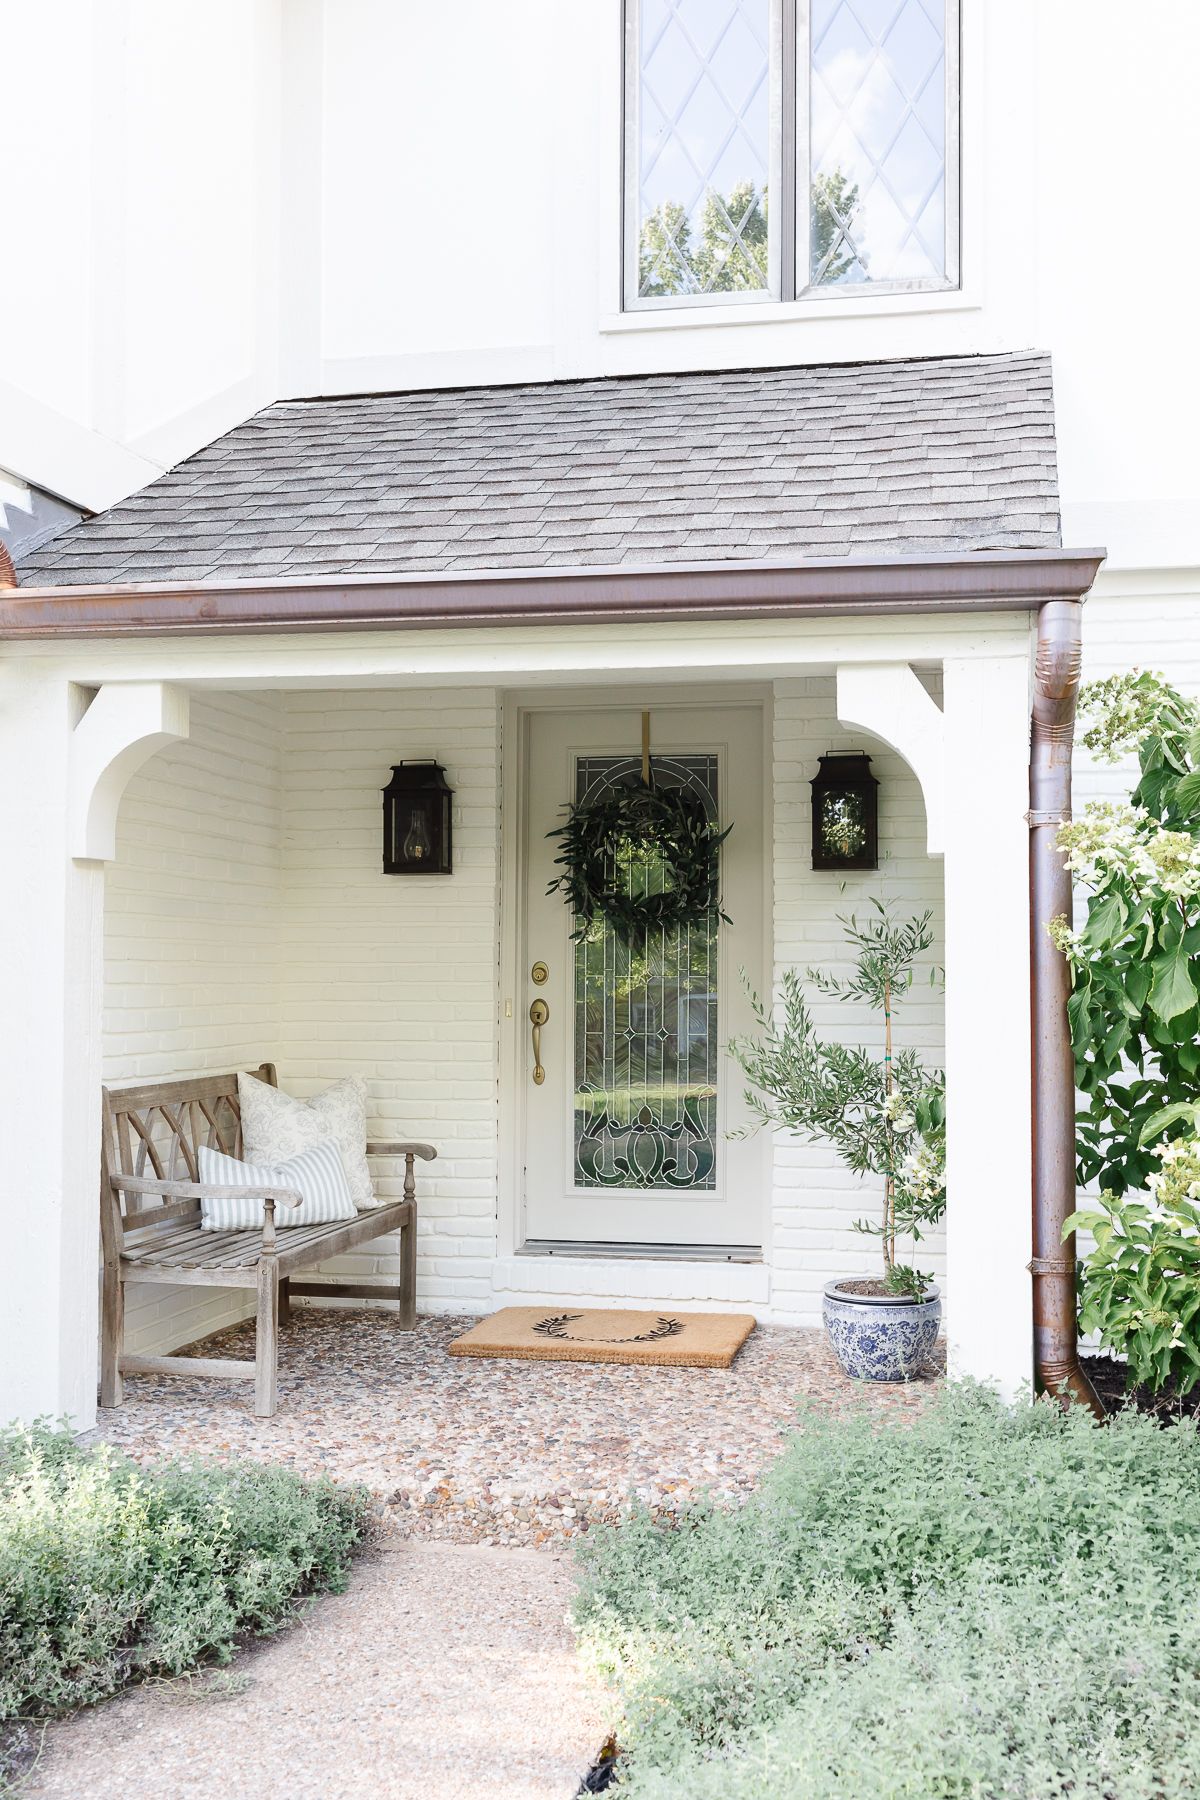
[(878, 141), (703, 131), (646, 1026)]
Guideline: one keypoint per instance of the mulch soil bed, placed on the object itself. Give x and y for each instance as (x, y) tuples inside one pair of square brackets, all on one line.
[(1108, 1377)]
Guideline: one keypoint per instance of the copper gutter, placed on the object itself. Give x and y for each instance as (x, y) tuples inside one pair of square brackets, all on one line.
[(983, 581), (1055, 689)]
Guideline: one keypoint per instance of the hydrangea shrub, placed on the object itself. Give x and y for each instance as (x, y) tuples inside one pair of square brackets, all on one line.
[(1135, 963), (1140, 1284)]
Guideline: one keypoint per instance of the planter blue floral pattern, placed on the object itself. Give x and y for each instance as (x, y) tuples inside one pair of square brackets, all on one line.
[(881, 1339)]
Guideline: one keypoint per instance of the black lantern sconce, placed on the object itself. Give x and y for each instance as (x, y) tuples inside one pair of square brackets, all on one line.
[(416, 821), (845, 813)]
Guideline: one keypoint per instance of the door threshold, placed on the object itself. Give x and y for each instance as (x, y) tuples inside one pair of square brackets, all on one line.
[(708, 1253)]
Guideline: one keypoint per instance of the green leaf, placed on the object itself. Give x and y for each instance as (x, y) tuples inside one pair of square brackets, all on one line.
[(1194, 746), (1170, 930), (1187, 794), (1106, 921), (1172, 991), (1178, 1113)]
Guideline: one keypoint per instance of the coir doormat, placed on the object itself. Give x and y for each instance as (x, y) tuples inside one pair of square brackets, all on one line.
[(685, 1340)]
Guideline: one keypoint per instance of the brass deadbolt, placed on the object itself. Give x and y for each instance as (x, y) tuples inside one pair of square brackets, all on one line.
[(539, 974)]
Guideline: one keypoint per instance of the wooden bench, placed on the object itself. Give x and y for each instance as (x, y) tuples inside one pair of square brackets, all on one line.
[(150, 1229)]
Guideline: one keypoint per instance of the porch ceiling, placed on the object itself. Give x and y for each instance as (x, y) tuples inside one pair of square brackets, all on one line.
[(945, 457)]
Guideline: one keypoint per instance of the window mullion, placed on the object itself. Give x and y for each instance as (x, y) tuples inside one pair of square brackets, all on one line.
[(790, 154)]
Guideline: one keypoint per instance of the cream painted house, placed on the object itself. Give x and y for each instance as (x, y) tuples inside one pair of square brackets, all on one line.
[(824, 475)]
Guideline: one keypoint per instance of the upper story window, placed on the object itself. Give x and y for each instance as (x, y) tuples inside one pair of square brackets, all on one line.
[(775, 148)]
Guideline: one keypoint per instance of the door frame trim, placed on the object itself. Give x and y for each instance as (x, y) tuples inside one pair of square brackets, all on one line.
[(518, 705)]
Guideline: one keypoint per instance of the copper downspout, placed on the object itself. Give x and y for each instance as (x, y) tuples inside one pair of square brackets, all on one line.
[(8, 575), (1055, 688)]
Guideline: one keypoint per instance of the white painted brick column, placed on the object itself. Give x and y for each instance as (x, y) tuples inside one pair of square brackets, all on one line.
[(989, 1181), (51, 920)]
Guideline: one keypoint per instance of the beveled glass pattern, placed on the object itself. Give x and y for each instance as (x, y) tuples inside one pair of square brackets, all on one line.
[(703, 150), (877, 119), (646, 1024)]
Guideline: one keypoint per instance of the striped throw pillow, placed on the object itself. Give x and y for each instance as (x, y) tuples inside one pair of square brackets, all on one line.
[(317, 1174)]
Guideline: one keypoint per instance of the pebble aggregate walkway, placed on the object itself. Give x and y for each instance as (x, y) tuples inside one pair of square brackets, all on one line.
[(496, 1452), (444, 1672)]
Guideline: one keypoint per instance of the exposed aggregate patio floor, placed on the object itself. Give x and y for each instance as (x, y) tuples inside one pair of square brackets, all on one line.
[(496, 1452)]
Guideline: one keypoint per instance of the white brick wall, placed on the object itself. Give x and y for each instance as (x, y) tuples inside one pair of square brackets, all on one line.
[(395, 978), (248, 917), (192, 923), (815, 1199)]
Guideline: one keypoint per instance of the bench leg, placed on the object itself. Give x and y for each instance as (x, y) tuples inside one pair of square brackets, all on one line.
[(285, 1299), (408, 1275), (266, 1343), (112, 1334)]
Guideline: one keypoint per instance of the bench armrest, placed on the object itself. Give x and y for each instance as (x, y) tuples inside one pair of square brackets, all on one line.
[(426, 1152), (201, 1190)]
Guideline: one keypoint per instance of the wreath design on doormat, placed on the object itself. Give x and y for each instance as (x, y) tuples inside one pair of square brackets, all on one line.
[(556, 1327), (605, 838)]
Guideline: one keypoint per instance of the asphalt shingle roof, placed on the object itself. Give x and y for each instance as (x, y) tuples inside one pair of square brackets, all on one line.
[(948, 455)]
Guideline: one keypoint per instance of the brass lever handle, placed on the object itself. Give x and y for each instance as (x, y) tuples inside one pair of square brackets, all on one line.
[(539, 1012)]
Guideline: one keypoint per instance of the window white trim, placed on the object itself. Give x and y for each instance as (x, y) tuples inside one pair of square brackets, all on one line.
[(789, 154)]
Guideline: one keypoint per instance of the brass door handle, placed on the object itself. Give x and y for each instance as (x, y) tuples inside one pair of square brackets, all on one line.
[(539, 1012)]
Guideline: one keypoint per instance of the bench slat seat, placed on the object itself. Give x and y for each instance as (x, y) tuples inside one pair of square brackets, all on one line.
[(299, 1247), (151, 1230)]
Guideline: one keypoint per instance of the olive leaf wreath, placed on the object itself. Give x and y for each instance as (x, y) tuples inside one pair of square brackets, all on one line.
[(665, 822)]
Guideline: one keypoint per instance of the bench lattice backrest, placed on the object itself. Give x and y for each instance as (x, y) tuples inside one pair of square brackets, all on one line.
[(156, 1130)]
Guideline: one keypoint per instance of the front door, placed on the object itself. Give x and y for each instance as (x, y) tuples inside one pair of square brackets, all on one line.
[(627, 1137)]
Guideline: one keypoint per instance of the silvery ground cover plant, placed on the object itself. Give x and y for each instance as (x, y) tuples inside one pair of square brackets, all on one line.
[(110, 1573), (982, 1603)]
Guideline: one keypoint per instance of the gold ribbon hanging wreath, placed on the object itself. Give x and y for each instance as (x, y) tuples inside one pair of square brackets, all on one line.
[(602, 837)]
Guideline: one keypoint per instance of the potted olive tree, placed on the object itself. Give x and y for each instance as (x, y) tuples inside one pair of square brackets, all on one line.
[(884, 1113)]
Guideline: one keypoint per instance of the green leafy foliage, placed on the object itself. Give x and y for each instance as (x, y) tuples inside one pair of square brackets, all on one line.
[(639, 859), (833, 202), (979, 1603), (109, 1573), (730, 254), (1140, 1284), (882, 1110), (1135, 1007)]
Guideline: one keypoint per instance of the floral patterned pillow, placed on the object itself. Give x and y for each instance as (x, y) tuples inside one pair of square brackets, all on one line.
[(276, 1127)]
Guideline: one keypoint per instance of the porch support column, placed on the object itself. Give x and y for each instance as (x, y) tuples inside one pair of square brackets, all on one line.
[(989, 1138), (61, 784)]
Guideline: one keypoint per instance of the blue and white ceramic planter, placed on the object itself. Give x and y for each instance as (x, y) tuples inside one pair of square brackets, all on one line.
[(877, 1337)]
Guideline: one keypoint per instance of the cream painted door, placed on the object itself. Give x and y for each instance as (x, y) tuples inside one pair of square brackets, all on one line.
[(626, 1140)]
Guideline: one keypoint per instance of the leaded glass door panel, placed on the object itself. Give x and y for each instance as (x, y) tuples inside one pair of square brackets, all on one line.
[(627, 1136)]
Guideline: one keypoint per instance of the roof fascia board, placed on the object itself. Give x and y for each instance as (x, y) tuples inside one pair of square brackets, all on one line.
[(984, 581)]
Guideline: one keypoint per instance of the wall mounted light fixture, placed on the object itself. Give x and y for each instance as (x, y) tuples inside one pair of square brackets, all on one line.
[(417, 827), (845, 813)]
